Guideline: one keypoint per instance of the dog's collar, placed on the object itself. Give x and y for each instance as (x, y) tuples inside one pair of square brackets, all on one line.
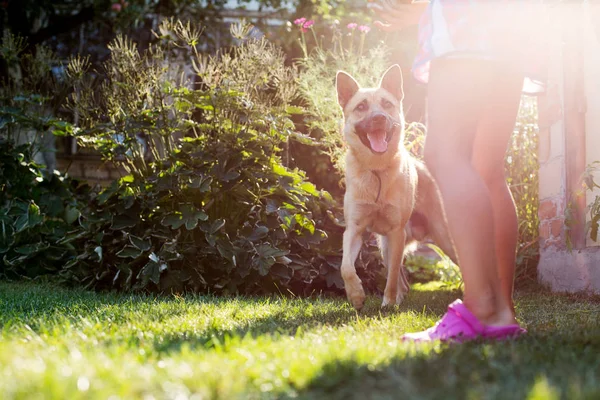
[(376, 173)]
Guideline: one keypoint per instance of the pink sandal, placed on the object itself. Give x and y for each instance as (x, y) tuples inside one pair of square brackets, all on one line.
[(460, 325)]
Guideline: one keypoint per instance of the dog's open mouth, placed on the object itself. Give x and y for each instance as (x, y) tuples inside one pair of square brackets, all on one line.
[(378, 139), (376, 133)]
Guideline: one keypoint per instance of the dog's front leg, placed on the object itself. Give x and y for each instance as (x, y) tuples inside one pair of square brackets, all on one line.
[(352, 283), (393, 250)]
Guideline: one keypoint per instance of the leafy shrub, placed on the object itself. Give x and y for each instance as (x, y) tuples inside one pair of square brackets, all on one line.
[(210, 202), (426, 269), (593, 208), (213, 208), (37, 205), (37, 208), (30, 97), (218, 217), (522, 176)]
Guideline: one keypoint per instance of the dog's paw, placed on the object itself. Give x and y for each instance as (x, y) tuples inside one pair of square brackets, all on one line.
[(400, 297), (358, 299), (390, 299), (388, 302), (355, 293)]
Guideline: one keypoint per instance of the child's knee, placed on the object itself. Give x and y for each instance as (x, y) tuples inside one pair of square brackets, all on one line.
[(493, 176), (431, 156), (439, 159)]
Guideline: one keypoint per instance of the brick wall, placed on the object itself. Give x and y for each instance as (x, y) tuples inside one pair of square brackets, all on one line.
[(89, 168)]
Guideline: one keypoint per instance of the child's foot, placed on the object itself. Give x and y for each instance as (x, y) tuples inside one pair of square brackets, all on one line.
[(460, 325)]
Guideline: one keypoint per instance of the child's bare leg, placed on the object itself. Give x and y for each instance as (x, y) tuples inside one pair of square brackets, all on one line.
[(494, 133), (457, 93)]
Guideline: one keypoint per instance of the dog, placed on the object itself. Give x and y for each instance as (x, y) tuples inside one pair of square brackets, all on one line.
[(388, 191)]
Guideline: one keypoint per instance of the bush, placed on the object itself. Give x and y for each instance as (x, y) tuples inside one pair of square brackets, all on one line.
[(522, 177), (593, 208), (218, 216), (213, 208), (211, 201), (30, 98), (37, 208)]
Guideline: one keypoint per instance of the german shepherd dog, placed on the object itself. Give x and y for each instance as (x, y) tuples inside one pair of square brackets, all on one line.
[(388, 191)]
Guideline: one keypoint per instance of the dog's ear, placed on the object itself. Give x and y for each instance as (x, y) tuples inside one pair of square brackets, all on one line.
[(392, 82), (346, 87)]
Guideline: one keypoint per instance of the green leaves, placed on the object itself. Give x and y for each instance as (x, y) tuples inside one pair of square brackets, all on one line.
[(71, 214), (267, 227), (31, 249), (216, 226), (174, 220), (139, 243), (594, 207), (28, 216), (594, 223), (62, 128), (6, 233), (38, 211), (129, 252), (267, 257), (123, 221), (294, 110), (188, 216), (151, 271), (258, 233), (201, 183)]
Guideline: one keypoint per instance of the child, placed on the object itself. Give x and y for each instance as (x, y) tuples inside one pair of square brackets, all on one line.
[(474, 56)]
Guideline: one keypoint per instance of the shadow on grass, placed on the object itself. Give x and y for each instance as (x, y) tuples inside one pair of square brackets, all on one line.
[(530, 368), (558, 358), (38, 306), (555, 322), (285, 323), (276, 323)]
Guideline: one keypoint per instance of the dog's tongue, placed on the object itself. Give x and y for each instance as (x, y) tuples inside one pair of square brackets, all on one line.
[(377, 140)]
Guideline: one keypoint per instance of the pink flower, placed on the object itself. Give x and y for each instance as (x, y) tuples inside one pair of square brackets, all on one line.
[(308, 23), (300, 21), (352, 25), (116, 7), (364, 29)]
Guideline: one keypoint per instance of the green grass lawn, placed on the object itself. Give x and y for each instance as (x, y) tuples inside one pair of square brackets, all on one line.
[(68, 344)]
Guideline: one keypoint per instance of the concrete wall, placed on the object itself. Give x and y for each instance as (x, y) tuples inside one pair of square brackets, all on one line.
[(592, 93), (569, 127), (552, 152)]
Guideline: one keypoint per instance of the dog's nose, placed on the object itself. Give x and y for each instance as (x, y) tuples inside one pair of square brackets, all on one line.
[(379, 118), (378, 121)]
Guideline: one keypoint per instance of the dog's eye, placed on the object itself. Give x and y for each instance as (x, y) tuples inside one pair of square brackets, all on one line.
[(361, 107), (386, 103)]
